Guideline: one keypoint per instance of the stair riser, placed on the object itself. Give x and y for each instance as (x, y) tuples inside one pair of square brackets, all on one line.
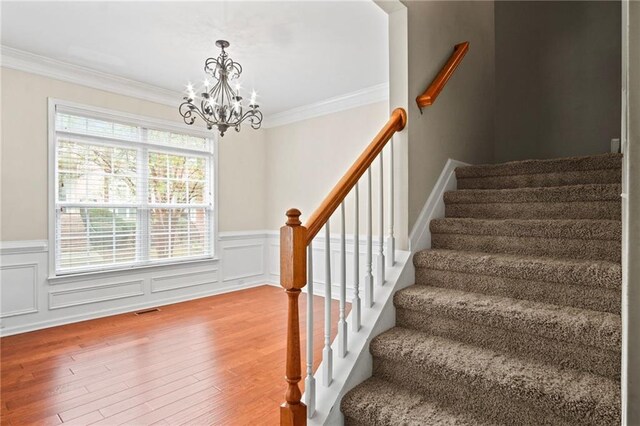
[(609, 210), (593, 360), (578, 296), (541, 180), (548, 247), (480, 398)]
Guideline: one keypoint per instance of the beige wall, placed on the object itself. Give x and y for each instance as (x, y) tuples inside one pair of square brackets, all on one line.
[(460, 124), (261, 173), (316, 153), (24, 156), (242, 186)]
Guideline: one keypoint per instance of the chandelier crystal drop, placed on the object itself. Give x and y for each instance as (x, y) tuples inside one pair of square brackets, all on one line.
[(219, 104)]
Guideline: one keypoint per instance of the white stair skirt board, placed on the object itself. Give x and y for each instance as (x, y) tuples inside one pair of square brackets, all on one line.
[(357, 366), (420, 236)]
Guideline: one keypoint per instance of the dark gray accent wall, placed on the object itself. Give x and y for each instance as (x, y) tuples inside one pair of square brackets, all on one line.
[(460, 124), (558, 84)]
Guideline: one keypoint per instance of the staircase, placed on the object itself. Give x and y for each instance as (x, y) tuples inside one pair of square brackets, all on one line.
[(515, 315)]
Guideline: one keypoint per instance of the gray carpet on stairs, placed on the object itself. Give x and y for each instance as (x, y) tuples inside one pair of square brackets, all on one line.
[(590, 201), (515, 315)]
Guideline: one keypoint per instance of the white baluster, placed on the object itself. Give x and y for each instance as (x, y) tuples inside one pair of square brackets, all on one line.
[(327, 352), (368, 278), (310, 381), (355, 302), (391, 240), (342, 323), (380, 257)]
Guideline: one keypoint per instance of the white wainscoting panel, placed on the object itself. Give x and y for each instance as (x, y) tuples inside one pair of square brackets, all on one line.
[(19, 291), (32, 301), (95, 293), (243, 261), (183, 280)]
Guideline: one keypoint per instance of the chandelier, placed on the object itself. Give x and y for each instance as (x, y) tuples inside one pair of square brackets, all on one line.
[(219, 104)]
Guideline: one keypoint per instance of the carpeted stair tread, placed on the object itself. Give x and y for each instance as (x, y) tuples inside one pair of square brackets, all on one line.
[(569, 164), (580, 177), (515, 315), (582, 397), (557, 194), (575, 229), (570, 271), (609, 210), (592, 201), (572, 239), (561, 323), (369, 404)]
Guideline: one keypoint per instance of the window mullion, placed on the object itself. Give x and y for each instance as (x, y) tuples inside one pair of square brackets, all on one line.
[(143, 194), (211, 187), (96, 196)]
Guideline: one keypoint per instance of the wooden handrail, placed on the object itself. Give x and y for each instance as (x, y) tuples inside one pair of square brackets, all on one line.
[(319, 217), (294, 239), (431, 94)]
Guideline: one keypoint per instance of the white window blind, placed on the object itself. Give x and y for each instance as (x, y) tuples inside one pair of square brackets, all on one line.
[(127, 194)]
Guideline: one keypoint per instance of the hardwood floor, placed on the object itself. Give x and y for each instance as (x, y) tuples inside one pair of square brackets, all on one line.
[(212, 361)]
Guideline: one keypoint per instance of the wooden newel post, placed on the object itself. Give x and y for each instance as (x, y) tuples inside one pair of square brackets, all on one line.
[(293, 277)]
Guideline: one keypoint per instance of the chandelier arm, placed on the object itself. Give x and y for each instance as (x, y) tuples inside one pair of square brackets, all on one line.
[(255, 118), (186, 112), (221, 105), (191, 110)]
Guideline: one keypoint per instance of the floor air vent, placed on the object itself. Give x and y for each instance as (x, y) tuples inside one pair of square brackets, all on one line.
[(148, 311)]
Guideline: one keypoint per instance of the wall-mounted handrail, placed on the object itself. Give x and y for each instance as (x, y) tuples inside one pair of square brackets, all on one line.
[(319, 217), (431, 94), (295, 252)]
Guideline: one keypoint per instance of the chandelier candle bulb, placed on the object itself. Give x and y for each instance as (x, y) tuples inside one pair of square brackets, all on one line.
[(221, 105)]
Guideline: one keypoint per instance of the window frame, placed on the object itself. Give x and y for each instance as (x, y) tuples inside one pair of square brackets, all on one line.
[(140, 121)]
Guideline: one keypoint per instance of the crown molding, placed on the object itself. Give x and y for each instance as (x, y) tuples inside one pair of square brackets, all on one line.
[(36, 64), (59, 70), (368, 95)]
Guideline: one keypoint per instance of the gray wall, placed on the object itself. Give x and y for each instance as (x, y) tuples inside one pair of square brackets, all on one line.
[(557, 78), (460, 124)]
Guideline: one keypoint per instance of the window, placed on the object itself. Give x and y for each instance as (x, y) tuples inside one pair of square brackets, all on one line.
[(129, 192)]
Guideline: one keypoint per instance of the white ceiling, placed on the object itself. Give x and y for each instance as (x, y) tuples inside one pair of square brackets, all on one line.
[(293, 53)]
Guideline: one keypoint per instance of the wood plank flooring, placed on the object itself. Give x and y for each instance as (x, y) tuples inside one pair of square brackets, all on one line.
[(212, 361)]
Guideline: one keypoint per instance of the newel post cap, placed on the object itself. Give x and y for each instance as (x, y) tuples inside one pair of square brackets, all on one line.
[(293, 217)]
